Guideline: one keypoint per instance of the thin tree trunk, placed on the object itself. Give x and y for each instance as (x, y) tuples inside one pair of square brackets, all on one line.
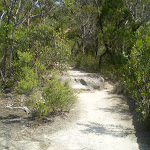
[(83, 39), (82, 46), (11, 52), (101, 56), (4, 66), (5, 57), (28, 20), (73, 47), (1, 70), (104, 41), (96, 50), (2, 77), (79, 46)]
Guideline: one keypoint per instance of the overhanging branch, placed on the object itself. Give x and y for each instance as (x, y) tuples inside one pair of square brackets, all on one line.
[(142, 22)]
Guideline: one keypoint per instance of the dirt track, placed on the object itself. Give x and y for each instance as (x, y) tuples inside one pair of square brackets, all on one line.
[(103, 122)]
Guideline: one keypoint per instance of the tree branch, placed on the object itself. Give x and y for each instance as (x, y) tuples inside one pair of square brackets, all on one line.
[(142, 22), (1, 59), (2, 18), (34, 16), (7, 6), (23, 18), (2, 76), (19, 7)]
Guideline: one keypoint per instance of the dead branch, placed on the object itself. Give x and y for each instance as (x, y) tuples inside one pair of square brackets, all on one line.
[(23, 108)]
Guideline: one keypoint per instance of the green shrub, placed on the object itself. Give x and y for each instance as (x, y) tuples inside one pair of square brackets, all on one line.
[(46, 45), (137, 77), (28, 83), (89, 63), (57, 96), (27, 77)]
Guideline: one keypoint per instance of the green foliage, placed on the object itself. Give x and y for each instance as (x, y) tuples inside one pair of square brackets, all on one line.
[(28, 83), (116, 33), (24, 57), (56, 97), (88, 63), (27, 77), (40, 69), (137, 77), (68, 2), (72, 34), (45, 45)]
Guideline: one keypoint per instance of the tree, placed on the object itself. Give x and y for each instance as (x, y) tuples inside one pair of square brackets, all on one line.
[(137, 73), (82, 28), (139, 10), (15, 13), (117, 26)]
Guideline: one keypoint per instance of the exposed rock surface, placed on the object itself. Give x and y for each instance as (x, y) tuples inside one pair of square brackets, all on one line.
[(83, 81)]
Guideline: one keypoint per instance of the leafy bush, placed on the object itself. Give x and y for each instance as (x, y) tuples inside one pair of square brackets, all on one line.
[(89, 63), (28, 83), (57, 96), (137, 77), (45, 44), (27, 78)]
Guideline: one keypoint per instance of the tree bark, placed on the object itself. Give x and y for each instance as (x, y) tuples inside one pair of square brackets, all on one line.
[(104, 41), (72, 49), (96, 49), (83, 39), (11, 52), (6, 51), (79, 47)]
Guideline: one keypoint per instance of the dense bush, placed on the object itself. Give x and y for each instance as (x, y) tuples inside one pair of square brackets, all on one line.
[(56, 97), (45, 44), (27, 77), (137, 77), (40, 48), (89, 63)]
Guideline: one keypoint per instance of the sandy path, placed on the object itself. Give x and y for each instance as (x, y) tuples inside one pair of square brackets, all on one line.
[(104, 124)]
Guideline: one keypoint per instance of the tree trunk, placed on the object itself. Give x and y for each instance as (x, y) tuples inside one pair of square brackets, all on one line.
[(96, 50), (5, 56), (4, 66), (11, 53), (1, 73), (72, 49), (101, 56), (79, 47), (83, 39)]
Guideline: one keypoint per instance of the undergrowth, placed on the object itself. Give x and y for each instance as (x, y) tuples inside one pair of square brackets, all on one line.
[(54, 97)]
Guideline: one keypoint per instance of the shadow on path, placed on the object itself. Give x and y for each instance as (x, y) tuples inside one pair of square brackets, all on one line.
[(142, 134), (125, 113), (109, 129)]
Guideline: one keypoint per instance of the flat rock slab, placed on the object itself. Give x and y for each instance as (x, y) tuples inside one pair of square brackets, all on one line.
[(25, 145), (83, 81)]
